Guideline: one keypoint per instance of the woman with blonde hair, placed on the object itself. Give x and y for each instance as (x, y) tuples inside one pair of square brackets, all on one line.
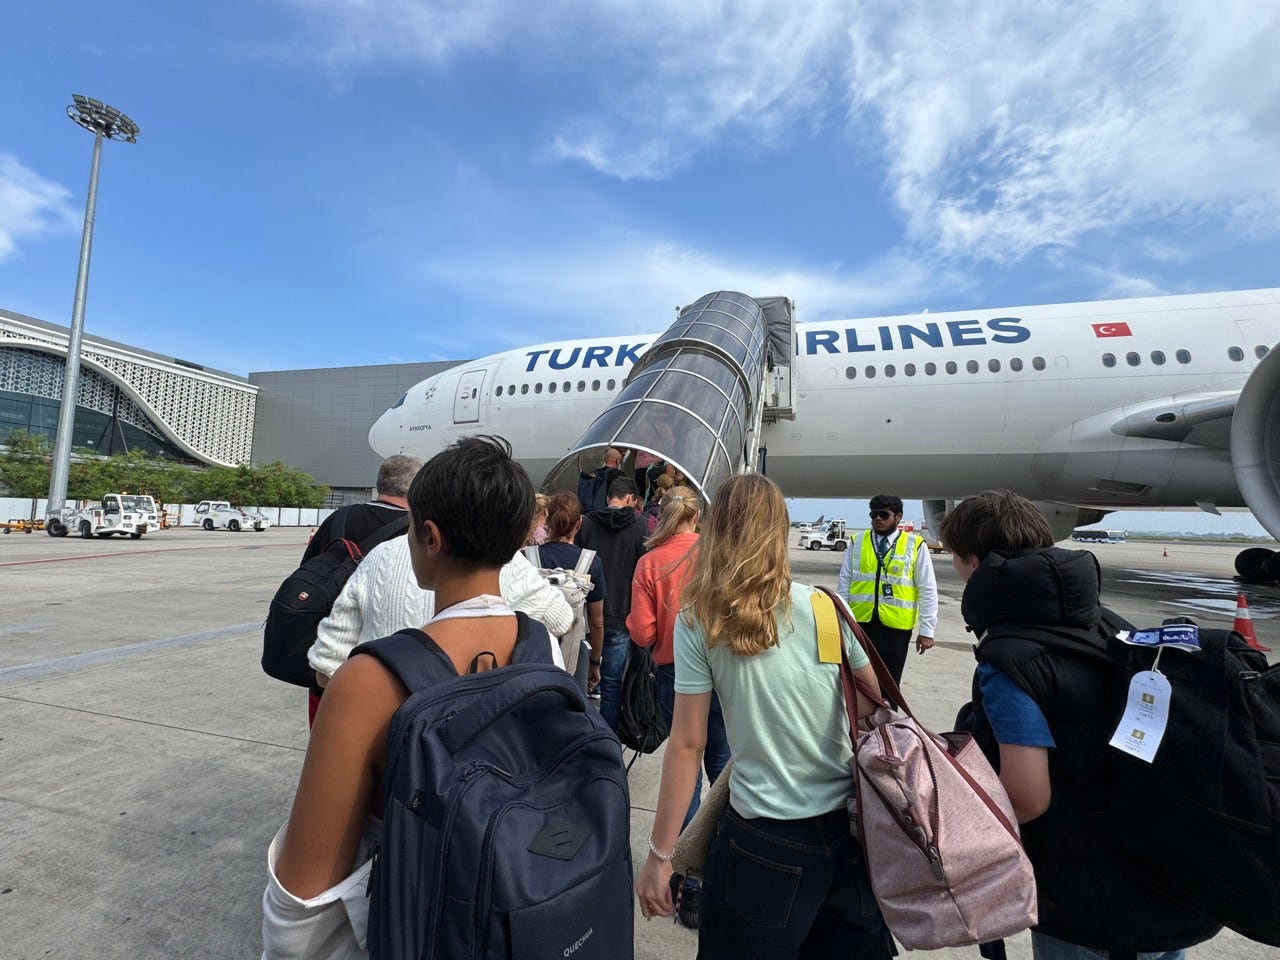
[(655, 602), (784, 877)]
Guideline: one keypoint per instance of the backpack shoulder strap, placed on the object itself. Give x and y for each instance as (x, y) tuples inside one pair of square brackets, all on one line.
[(413, 657), (533, 641), (585, 559), (392, 528), (531, 554)]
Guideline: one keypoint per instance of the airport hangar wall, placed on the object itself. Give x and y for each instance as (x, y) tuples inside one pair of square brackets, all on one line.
[(318, 420), (127, 396)]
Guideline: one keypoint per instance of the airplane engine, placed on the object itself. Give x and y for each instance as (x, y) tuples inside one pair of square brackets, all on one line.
[(1255, 461), (1062, 518)]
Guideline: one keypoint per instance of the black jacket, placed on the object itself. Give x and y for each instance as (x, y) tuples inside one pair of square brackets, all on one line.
[(617, 534), (1085, 895)]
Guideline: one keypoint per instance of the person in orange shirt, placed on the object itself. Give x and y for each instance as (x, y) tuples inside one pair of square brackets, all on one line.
[(655, 602)]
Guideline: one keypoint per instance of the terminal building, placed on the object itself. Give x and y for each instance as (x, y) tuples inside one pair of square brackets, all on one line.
[(176, 409)]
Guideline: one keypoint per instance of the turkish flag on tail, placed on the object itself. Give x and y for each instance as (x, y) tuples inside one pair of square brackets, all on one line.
[(1112, 330)]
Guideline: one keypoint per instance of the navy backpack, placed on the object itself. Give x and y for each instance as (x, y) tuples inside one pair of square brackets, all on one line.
[(506, 830)]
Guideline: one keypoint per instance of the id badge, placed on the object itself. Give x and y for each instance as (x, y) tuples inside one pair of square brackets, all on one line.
[(886, 590)]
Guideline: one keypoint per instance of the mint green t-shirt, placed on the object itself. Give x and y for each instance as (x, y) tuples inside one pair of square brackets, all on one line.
[(783, 714)]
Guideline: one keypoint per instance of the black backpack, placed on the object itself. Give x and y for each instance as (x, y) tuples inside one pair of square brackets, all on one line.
[(506, 825), (1215, 780), (593, 488), (307, 595), (641, 725)]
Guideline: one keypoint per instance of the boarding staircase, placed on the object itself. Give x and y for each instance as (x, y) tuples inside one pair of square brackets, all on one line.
[(702, 393)]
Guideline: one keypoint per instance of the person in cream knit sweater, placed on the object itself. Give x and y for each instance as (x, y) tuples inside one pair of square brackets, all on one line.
[(382, 598)]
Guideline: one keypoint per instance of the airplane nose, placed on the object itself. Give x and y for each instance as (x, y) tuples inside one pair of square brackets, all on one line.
[(384, 435)]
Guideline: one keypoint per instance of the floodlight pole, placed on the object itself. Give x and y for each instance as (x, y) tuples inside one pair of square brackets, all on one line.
[(71, 378), (104, 122)]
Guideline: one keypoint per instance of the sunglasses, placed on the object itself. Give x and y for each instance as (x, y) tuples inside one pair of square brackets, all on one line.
[(880, 514)]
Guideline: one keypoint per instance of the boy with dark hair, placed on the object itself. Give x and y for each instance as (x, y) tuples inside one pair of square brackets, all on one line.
[(617, 534), (1042, 714)]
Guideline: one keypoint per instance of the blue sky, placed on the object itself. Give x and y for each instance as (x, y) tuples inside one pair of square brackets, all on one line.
[(323, 182)]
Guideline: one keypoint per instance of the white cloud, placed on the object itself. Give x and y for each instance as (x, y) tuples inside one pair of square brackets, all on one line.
[(30, 206), (634, 285), (1010, 128), (1003, 128)]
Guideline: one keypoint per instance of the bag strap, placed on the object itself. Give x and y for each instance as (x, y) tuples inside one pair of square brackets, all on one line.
[(392, 528), (852, 687), (887, 684), (531, 554), (585, 559)]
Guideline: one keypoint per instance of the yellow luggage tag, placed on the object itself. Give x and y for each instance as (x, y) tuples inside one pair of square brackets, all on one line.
[(829, 639)]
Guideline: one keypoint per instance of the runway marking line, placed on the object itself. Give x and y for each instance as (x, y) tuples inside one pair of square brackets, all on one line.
[(132, 553)]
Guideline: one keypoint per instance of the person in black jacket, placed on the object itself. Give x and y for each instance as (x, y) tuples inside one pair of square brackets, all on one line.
[(617, 533), (392, 486), (1043, 715)]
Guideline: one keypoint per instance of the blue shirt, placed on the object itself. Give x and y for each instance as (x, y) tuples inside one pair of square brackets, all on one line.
[(1015, 718)]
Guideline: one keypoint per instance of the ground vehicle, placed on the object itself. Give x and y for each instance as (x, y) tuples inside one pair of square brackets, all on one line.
[(1098, 536), (832, 538), (212, 514), (122, 513)]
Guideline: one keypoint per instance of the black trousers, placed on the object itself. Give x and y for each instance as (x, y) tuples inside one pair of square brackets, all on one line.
[(891, 644)]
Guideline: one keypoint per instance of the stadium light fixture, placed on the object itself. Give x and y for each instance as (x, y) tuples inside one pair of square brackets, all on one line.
[(104, 122)]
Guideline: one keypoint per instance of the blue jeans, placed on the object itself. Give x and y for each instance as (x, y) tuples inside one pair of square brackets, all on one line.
[(1044, 947), (716, 754), (613, 661), (781, 889)]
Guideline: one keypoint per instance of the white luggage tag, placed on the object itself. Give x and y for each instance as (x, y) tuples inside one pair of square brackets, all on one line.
[(1146, 713)]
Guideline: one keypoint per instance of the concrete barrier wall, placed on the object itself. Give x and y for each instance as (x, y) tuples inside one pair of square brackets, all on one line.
[(21, 508)]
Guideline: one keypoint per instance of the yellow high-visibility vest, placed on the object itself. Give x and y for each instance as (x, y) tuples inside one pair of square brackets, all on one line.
[(888, 585)]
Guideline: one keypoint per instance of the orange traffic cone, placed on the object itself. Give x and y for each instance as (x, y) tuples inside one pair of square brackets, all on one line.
[(1244, 625)]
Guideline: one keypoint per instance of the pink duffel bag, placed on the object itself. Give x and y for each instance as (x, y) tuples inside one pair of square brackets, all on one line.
[(937, 830)]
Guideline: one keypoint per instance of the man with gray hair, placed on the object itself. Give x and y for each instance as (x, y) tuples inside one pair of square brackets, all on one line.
[(362, 519)]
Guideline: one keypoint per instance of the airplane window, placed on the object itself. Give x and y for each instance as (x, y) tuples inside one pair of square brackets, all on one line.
[(850, 372), (1038, 362), (1016, 364), (524, 388), (931, 368), (951, 366), (582, 386), (1132, 359), (551, 387), (972, 366), (890, 370), (612, 384), (1235, 353), (1108, 359), (567, 386), (909, 369), (993, 365), (871, 373), (1261, 350), (1157, 357), (1183, 356), (537, 388), (405, 396), (497, 391), (595, 384)]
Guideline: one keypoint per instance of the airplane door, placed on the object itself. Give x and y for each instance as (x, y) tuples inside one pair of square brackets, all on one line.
[(466, 402)]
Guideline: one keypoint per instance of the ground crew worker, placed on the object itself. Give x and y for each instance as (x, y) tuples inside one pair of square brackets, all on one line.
[(887, 577)]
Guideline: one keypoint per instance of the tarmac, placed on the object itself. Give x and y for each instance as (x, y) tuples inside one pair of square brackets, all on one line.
[(146, 761)]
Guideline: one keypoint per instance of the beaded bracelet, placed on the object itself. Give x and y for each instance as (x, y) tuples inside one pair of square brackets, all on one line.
[(664, 857)]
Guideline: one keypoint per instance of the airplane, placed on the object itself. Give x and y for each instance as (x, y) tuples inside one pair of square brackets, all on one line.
[(1084, 408)]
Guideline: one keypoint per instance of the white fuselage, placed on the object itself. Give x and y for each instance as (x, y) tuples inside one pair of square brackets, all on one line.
[(930, 405)]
